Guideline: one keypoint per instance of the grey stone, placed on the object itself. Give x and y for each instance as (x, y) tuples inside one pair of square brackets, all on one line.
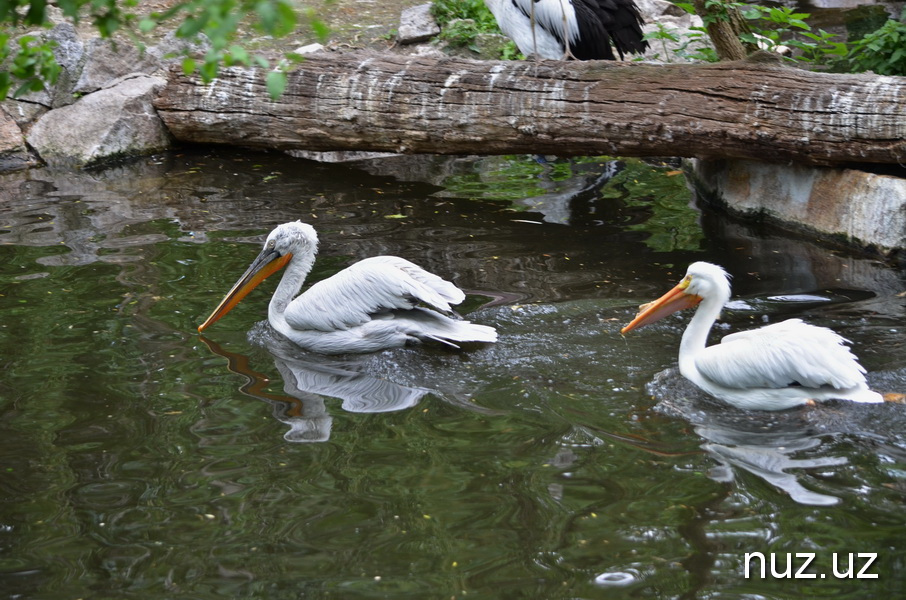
[(106, 60), (24, 113), (14, 153), (172, 48), (417, 24), (69, 51)]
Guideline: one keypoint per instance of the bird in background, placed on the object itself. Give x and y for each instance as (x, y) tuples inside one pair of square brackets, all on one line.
[(376, 303), (580, 29), (776, 367)]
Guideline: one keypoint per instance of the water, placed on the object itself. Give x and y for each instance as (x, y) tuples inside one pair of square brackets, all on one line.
[(141, 460)]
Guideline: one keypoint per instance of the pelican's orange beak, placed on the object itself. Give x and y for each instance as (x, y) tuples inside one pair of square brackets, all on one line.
[(675, 300), (268, 262)]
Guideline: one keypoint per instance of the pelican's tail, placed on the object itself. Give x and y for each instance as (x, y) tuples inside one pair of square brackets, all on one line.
[(865, 395), (428, 324)]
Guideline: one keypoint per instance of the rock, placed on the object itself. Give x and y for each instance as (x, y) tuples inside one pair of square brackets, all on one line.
[(68, 51), (24, 113), (339, 156), (70, 54), (106, 60), (417, 24), (309, 48), (491, 45), (686, 37), (651, 10), (116, 121), (171, 48), (14, 154), (852, 207)]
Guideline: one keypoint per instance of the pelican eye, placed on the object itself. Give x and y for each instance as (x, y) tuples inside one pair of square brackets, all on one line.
[(685, 282)]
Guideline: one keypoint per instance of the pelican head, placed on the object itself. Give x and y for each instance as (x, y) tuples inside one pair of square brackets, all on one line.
[(703, 281), (284, 242)]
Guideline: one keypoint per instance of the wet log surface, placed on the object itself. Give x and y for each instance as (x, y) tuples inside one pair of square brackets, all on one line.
[(756, 109)]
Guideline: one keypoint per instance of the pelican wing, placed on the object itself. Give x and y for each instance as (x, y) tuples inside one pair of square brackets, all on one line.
[(371, 286), (781, 355), (557, 17)]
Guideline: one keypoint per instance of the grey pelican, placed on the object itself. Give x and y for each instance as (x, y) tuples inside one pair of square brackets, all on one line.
[(369, 306), (772, 368), (581, 29)]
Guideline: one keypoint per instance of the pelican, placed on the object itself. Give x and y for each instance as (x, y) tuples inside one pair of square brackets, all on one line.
[(369, 306), (581, 29), (772, 368)]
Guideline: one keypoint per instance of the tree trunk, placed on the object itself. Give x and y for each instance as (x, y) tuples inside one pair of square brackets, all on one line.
[(754, 109), (725, 24)]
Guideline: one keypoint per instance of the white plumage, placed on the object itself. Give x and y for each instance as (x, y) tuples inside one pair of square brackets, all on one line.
[(368, 306), (772, 368), (582, 29)]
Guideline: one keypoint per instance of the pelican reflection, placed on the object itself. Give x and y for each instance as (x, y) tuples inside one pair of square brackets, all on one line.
[(760, 443), (309, 380)]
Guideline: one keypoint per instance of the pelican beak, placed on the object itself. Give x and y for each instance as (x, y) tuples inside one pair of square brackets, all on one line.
[(675, 300), (268, 262)]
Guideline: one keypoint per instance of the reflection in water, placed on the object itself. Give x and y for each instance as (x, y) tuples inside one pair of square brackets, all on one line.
[(311, 378), (760, 443), (573, 200)]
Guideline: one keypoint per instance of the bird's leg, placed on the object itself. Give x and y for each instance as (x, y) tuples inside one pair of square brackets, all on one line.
[(894, 397), (567, 51), (534, 39)]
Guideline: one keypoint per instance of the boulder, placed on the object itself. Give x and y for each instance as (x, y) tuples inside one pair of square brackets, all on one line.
[(69, 52), (417, 24), (14, 154), (846, 206), (106, 60), (116, 121)]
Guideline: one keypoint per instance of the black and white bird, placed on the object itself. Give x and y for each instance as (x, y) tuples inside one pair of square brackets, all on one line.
[(580, 29)]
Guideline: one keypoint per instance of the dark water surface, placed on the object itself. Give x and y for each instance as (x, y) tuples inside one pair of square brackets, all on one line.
[(141, 460)]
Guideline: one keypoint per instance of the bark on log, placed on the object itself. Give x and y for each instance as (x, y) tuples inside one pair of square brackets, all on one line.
[(754, 109)]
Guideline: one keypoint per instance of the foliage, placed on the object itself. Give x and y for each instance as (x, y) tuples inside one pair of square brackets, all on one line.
[(882, 50), (30, 65), (215, 21), (784, 27), (462, 21), (692, 46), (448, 10)]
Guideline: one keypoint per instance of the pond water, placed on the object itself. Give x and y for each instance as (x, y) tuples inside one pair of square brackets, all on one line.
[(142, 460)]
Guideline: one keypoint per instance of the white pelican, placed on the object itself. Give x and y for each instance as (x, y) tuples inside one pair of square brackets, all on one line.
[(368, 306), (772, 368), (581, 29)]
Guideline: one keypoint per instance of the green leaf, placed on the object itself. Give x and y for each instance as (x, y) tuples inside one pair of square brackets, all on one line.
[(320, 28), (188, 66), (239, 54), (208, 70), (276, 84)]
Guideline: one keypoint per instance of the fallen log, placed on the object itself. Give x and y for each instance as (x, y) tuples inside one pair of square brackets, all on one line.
[(757, 109)]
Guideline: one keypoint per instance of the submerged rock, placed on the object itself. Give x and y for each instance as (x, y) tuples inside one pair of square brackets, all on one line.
[(853, 207)]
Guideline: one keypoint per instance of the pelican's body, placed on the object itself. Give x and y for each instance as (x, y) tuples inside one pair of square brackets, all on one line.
[(581, 29), (772, 368), (368, 306)]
